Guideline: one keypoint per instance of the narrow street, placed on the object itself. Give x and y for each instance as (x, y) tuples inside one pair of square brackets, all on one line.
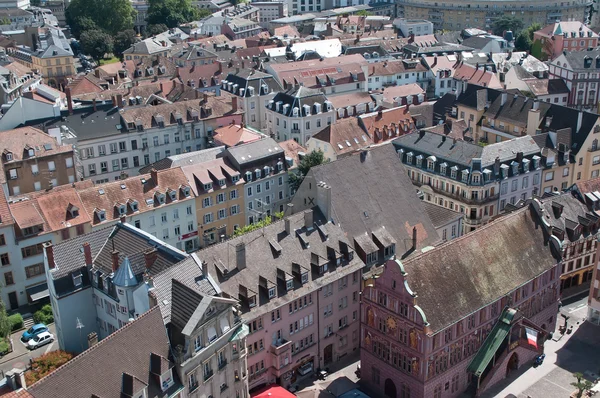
[(21, 355), (575, 352)]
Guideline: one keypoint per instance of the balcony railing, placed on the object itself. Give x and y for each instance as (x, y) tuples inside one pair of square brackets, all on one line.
[(208, 375), (222, 364), (462, 199), (224, 387)]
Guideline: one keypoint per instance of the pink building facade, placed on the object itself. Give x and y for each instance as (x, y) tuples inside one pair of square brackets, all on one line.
[(565, 36), (424, 330)]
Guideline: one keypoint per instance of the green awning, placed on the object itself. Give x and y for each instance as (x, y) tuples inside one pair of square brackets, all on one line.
[(240, 333), (492, 343)]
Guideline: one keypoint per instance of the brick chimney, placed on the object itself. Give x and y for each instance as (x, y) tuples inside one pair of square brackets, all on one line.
[(154, 175), (94, 105), (120, 100), (240, 256), (414, 238), (87, 253), (234, 103), (92, 339), (50, 255), (204, 98), (115, 260), (69, 100), (162, 89), (150, 256)]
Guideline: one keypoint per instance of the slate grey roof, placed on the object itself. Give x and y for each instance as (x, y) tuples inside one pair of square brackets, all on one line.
[(461, 152), (105, 122), (124, 276), (564, 213), (375, 192), (187, 273), (99, 371), (507, 150), (246, 78), (185, 159), (297, 97), (270, 252), (577, 58), (515, 110), (440, 216), (255, 150), (468, 273)]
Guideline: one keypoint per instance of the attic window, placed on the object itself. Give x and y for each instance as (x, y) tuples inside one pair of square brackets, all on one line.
[(271, 292), (248, 176), (208, 186), (31, 152), (9, 156), (222, 182), (134, 205), (101, 215), (289, 285), (257, 173), (77, 278), (161, 198), (173, 195), (149, 202), (279, 166), (186, 191), (305, 277), (121, 209), (235, 178), (252, 301)]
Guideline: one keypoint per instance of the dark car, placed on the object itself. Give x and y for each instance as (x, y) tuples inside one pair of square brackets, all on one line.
[(33, 331)]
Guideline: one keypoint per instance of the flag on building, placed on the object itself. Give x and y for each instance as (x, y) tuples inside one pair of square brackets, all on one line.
[(531, 336)]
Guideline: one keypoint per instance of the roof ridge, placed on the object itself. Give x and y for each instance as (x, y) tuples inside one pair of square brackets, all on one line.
[(100, 343), (467, 235)]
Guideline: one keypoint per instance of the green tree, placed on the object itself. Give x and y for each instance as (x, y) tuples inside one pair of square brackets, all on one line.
[(203, 13), (155, 29), (505, 23), (96, 43), (112, 16), (171, 12), (5, 324), (314, 158), (582, 385), (81, 24), (124, 40), (534, 27), (523, 42), (363, 13)]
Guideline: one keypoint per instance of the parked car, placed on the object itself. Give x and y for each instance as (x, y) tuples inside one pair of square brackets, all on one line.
[(40, 340), (33, 331)]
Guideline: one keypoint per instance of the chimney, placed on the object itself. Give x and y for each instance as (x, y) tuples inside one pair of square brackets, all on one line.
[(87, 253), (579, 120), (69, 100), (288, 226), (97, 73), (154, 175), (379, 114), (196, 94), (120, 100), (536, 104), (150, 256), (234, 103), (123, 219), (204, 98), (414, 240), (503, 99), (519, 157), (28, 94), (92, 339), (497, 166), (434, 61), (240, 256), (115, 260), (50, 255), (308, 219), (162, 89), (94, 105)]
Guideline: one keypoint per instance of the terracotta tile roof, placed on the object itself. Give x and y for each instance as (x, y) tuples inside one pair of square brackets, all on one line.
[(18, 68), (84, 85), (498, 258), (7, 393), (209, 41), (108, 196), (473, 75), (147, 115), (424, 41), (62, 208), (292, 150), (391, 93), (202, 75), (211, 172), (386, 68), (20, 140), (452, 128), (126, 351), (587, 186), (5, 217), (387, 123), (233, 134), (316, 74), (27, 214), (350, 99), (288, 30), (344, 136), (171, 90)]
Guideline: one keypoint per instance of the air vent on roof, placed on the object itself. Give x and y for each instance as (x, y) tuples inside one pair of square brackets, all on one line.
[(149, 202), (123, 186), (275, 246)]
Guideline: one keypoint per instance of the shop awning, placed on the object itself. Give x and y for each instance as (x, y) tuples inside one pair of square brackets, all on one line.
[(273, 391), (492, 343), (38, 292)]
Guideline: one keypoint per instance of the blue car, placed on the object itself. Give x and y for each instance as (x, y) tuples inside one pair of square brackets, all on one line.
[(33, 331)]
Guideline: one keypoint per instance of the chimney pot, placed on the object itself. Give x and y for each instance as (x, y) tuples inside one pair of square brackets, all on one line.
[(50, 255), (87, 253), (115, 260), (150, 256), (308, 219), (288, 226), (154, 175)]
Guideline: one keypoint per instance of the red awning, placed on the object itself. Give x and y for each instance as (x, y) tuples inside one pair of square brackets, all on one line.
[(273, 391)]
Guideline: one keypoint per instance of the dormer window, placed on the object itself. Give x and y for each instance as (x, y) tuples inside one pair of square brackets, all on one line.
[(419, 160), (305, 277), (536, 162), (272, 292), (371, 258), (453, 172), (515, 168), (208, 186), (101, 214), (409, 157), (389, 250), (121, 209), (431, 163), (31, 152), (476, 180), (257, 174), (279, 166), (235, 178), (186, 191), (252, 301), (525, 165), (267, 170), (134, 205), (465, 175), (443, 167), (222, 182), (160, 198), (487, 175), (248, 176), (289, 284), (173, 195)]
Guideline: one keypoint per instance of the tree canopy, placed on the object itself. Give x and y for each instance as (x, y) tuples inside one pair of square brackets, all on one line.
[(112, 16), (154, 29), (505, 23), (314, 158), (582, 385), (124, 40), (523, 42), (96, 43), (171, 12)]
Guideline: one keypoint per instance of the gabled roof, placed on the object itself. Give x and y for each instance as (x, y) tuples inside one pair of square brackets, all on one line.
[(361, 205), (185, 159), (126, 351), (466, 274), (344, 136), (232, 135)]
